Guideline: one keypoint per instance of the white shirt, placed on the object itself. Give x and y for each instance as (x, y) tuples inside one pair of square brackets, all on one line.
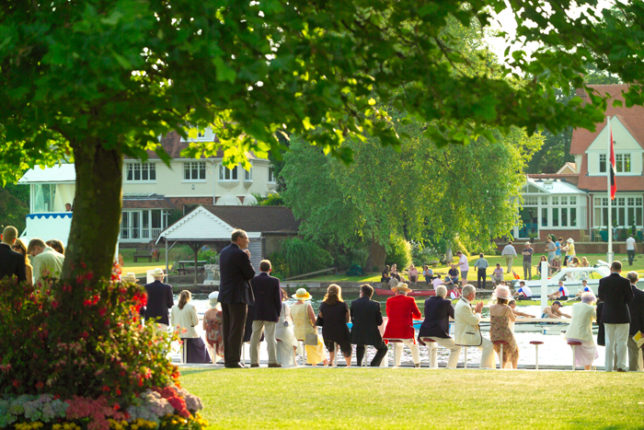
[(630, 244), (437, 281), (463, 264), (526, 290), (184, 319), (509, 250)]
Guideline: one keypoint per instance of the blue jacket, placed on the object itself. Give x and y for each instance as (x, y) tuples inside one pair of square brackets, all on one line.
[(268, 298), (159, 301), (235, 272), (437, 313)]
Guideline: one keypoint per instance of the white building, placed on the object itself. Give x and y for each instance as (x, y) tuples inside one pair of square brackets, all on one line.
[(153, 193)]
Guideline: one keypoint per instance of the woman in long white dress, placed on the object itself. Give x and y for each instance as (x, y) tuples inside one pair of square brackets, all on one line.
[(286, 342)]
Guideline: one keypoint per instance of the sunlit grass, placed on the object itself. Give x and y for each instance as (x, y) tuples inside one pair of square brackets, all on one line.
[(358, 398)]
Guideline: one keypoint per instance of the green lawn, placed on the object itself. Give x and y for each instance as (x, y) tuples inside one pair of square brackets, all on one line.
[(358, 398), (638, 266)]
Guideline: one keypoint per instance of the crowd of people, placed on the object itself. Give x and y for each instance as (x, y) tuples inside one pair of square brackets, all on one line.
[(31, 263)]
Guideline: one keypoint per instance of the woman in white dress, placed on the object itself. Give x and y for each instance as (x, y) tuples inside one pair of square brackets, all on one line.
[(286, 342)]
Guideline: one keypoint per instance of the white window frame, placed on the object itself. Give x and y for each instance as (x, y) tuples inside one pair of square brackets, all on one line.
[(271, 175), (144, 169), (188, 170), (625, 207), (248, 174), (620, 160), (228, 175)]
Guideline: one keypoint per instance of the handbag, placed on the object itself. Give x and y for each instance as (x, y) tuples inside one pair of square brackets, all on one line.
[(311, 339)]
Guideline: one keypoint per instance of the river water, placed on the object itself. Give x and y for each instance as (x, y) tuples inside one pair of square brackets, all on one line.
[(554, 352)]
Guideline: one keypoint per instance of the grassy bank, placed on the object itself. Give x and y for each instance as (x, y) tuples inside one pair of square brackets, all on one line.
[(411, 398)]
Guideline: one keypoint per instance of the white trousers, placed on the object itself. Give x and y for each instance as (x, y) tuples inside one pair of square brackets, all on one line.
[(487, 355), (415, 352), (448, 343), (269, 336), (616, 339)]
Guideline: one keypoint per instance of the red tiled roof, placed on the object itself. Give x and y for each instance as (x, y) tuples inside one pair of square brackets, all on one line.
[(632, 118), (264, 219)]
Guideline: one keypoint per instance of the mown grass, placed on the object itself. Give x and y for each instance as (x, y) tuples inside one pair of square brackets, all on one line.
[(358, 398)]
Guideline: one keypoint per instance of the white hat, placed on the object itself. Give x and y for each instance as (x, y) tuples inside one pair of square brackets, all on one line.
[(570, 240), (129, 277), (157, 273), (302, 294)]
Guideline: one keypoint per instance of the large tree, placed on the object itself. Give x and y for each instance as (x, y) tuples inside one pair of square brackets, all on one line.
[(94, 80), (418, 191)]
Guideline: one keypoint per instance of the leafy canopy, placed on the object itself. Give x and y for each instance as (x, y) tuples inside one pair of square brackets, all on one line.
[(124, 72)]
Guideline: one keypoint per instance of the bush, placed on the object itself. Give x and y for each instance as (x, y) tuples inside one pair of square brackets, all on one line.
[(82, 340), (297, 256), (209, 255), (355, 256), (398, 252)]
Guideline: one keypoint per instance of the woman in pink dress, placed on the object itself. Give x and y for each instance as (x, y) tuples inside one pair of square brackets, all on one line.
[(213, 326)]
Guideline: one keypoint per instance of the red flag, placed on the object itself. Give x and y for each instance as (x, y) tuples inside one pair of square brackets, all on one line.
[(613, 184)]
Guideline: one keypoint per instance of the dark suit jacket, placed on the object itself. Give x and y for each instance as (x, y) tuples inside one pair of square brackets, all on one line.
[(437, 313), (636, 307), (11, 263), (235, 272), (159, 301), (366, 317), (616, 293), (268, 298)]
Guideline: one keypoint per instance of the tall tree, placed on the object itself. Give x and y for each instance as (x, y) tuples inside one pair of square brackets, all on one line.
[(98, 79), (417, 190)]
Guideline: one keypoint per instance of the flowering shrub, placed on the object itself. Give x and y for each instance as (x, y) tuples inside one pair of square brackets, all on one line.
[(84, 341)]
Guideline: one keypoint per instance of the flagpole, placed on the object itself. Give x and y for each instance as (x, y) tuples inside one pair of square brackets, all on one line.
[(608, 186)]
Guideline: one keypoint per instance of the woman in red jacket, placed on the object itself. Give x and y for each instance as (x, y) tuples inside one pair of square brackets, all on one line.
[(401, 311)]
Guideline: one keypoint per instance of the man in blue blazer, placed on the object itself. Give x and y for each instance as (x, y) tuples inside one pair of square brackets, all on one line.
[(160, 300), (438, 311), (616, 293), (636, 308), (266, 312), (366, 317), (235, 294)]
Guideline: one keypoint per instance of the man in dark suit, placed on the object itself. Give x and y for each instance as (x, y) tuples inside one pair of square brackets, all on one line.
[(235, 294), (438, 310), (266, 312), (636, 308), (160, 300), (616, 293), (11, 262), (366, 317)]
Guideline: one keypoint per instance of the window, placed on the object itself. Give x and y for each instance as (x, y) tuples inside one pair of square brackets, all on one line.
[(562, 212), (248, 174), (194, 171), (271, 175), (226, 174), (623, 163), (602, 163), (43, 196), (143, 224), (141, 172), (626, 212)]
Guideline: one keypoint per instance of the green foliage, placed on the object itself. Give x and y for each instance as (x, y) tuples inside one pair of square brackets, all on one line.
[(209, 255), (272, 199), (82, 337), (14, 205), (398, 252), (297, 256)]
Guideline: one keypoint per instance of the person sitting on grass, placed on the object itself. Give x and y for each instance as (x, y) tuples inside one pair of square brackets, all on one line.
[(524, 292), (453, 274), (428, 273), (497, 274), (561, 293), (554, 311)]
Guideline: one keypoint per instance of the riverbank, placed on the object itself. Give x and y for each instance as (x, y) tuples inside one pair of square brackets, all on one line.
[(352, 398)]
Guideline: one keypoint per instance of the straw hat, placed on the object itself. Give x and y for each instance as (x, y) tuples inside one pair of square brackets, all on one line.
[(570, 240), (502, 292), (157, 273), (401, 287), (130, 277), (301, 294)]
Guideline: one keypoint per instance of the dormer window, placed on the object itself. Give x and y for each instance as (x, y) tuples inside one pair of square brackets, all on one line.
[(623, 163), (602, 163)]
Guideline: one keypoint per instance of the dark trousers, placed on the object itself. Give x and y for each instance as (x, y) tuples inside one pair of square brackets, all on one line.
[(381, 349), (631, 256), (234, 321), (480, 275)]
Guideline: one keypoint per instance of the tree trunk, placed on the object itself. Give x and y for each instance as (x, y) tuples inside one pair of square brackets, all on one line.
[(377, 256), (97, 210)]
